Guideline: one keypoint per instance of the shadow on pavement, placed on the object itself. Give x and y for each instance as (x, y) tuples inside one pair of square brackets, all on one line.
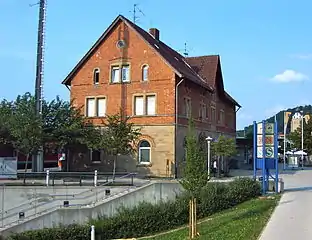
[(298, 189)]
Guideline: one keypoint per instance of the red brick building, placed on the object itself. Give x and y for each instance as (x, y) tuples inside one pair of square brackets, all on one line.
[(133, 70)]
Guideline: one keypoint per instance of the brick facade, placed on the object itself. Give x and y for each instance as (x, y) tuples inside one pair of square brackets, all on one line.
[(158, 129)]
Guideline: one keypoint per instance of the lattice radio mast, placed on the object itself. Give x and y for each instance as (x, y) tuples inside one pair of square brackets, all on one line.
[(38, 161)]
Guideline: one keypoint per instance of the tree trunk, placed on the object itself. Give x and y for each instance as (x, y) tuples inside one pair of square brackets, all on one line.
[(114, 167), (27, 157)]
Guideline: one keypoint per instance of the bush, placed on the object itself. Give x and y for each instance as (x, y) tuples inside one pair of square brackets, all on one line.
[(147, 219)]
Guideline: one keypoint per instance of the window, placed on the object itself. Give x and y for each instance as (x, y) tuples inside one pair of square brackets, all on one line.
[(120, 74), (101, 107), (145, 105), (96, 76), (139, 105), (115, 74), (125, 76), (144, 152), (90, 107), (213, 114), (96, 107), (207, 112), (145, 73), (221, 118), (95, 155), (188, 107), (202, 111), (150, 105)]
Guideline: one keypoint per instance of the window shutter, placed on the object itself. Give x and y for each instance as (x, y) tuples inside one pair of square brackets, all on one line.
[(151, 105), (101, 107), (139, 106), (90, 107)]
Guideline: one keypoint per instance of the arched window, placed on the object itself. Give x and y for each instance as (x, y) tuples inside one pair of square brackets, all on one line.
[(145, 73), (96, 76), (144, 152)]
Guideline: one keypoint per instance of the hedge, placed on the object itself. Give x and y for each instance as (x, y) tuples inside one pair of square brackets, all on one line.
[(148, 219)]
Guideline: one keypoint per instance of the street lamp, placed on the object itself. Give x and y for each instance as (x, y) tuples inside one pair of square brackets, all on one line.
[(208, 139), (302, 117)]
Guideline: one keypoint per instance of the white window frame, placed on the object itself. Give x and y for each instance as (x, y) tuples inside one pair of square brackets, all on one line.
[(145, 68), (115, 68), (135, 105), (146, 105), (97, 106), (87, 106), (96, 71), (145, 148), (125, 66)]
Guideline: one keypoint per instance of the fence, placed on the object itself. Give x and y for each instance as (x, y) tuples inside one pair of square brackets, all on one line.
[(19, 203)]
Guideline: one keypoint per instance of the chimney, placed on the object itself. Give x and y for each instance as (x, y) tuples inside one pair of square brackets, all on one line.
[(154, 32)]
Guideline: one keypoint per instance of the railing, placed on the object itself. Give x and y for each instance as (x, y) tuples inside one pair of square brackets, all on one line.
[(51, 201)]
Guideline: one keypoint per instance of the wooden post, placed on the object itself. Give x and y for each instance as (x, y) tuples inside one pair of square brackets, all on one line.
[(195, 218), (190, 219)]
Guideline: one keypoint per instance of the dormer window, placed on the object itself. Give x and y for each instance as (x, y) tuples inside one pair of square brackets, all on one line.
[(96, 76), (145, 73)]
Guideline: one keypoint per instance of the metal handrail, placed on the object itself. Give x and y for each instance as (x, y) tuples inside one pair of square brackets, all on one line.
[(54, 200)]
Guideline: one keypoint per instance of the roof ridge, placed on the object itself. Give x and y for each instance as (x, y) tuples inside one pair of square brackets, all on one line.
[(214, 55)]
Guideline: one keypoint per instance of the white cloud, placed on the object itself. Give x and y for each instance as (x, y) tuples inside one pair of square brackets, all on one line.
[(303, 56), (290, 76)]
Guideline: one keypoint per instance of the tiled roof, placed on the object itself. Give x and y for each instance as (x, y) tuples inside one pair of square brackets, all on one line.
[(206, 67), (200, 70)]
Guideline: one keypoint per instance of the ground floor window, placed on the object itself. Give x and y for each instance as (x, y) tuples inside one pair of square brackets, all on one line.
[(144, 152)]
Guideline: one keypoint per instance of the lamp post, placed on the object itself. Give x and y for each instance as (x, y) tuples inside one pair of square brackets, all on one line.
[(302, 117), (208, 139)]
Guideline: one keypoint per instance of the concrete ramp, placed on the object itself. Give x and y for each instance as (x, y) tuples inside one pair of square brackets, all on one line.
[(80, 212)]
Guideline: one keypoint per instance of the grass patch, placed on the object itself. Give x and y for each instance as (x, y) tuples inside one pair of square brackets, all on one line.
[(243, 222)]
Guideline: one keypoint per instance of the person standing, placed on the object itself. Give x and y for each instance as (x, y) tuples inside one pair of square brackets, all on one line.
[(214, 168)]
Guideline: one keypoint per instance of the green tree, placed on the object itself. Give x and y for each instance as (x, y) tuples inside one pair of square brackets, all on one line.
[(23, 126), (295, 137), (60, 125), (194, 174), (65, 126), (5, 114), (118, 138), (223, 149)]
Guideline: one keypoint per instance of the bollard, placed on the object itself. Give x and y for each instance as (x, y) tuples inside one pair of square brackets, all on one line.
[(95, 178), (21, 215), (48, 178), (107, 192), (92, 233), (66, 203)]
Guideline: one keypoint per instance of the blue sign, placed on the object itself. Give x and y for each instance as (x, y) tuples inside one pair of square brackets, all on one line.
[(265, 153)]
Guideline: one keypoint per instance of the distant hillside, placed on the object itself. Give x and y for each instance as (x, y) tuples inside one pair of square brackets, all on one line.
[(307, 109)]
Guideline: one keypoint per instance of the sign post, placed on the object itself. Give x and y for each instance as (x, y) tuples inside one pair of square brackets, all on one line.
[(266, 153)]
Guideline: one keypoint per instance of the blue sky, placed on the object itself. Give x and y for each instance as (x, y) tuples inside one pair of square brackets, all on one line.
[(265, 46)]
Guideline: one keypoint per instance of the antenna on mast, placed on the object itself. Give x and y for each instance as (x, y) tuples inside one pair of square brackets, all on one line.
[(184, 51), (135, 11)]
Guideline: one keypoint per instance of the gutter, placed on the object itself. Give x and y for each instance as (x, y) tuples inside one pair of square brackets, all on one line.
[(238, 109), (176, 128)]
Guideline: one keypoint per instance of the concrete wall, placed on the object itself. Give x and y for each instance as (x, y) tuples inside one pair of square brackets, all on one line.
[(152, 193)]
